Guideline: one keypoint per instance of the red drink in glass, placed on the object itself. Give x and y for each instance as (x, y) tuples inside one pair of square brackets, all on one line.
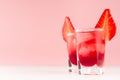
[(72, 52), (90, 50)]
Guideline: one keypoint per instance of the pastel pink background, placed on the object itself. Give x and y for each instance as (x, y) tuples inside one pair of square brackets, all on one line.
[(30, 30)]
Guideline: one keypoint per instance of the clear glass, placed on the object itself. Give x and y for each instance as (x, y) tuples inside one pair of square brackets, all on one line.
[(72, 52), (90, 47)]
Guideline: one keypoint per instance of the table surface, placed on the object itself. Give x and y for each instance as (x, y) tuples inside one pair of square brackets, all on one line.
[(53, 73)]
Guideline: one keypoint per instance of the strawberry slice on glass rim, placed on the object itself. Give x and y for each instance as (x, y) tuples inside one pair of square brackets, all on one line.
[(67, 29), (107, 23)]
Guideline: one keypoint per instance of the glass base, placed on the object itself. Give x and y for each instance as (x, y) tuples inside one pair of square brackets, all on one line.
[(72, 68), (94, 70)]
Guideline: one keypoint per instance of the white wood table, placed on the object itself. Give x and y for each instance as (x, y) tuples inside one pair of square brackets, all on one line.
[(53, 73)]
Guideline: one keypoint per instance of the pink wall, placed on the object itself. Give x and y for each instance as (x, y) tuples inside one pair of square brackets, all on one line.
[(30, 30)]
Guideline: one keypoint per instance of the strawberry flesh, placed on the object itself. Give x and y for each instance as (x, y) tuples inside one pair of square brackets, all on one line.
[(67, 28), (107, 23)]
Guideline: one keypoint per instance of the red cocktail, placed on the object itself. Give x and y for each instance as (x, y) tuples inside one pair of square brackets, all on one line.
[(86, 48), (72, 52), (90, 50)]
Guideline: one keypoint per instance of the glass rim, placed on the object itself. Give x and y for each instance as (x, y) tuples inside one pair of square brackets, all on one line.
[(84, 30), (88, 29), (70, 34)]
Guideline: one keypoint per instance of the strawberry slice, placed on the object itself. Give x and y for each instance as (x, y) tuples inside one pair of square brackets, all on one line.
[(107, 23), (67, 28)]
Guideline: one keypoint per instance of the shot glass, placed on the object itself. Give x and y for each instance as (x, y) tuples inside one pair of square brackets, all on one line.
[(72, 52), (90, 48)]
